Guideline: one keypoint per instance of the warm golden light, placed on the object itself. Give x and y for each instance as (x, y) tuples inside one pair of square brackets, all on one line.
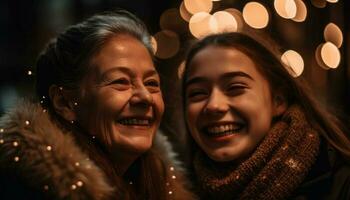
[(154, 44), (181, 69), (285, 8), (319, 3), (238, 17), (202, 24), (330, 55), (226, 22), (319, 58), (255, 15), (332, 33), (196, 6), (293, 62), (168, 44), (301, 11), (184, 13), (171, 20), (332, 1)]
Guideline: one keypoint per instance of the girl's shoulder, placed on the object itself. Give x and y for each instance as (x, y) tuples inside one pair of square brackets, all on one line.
[(328, 179)]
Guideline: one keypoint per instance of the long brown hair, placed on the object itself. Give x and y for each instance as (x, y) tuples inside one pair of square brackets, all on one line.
[(64, 63), (294, 90)]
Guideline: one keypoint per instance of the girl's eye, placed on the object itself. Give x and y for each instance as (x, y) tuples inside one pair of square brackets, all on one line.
[(236, 89), (197, 94)]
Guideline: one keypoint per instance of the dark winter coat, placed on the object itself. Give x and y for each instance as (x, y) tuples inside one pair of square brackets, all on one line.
[(38, 160)]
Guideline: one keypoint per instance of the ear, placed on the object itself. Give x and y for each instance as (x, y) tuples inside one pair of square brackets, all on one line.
[(62, 102), (280, 105)]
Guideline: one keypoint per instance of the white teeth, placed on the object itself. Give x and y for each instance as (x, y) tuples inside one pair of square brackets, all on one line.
[(139, 122), (223, 128)]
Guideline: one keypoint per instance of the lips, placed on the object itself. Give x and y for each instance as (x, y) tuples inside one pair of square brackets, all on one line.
[(135, 121), (222, 129)]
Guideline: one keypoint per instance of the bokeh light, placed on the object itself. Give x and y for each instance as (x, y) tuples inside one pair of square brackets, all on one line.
[(293, 62), (319, 3), (333, 34), (330, 55), (171, 20), (319, 58), (285, 8), (196, 6), (255, 15), (332, 1), (184, 12), (168, 44), (301, 11), (238, 17), (154, 44), (226, 22), (181, 69), (202, 24)]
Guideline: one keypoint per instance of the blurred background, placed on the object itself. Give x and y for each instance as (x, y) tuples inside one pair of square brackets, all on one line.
[(313, 38)]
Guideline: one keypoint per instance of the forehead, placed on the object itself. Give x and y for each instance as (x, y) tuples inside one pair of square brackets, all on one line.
[(215, 60), (122, 50)]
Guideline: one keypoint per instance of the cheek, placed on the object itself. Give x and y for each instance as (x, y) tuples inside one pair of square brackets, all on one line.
[(192, 113), (159, 104)]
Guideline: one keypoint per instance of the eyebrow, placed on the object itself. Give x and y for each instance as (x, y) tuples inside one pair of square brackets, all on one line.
[(224, 76), (125, 70)]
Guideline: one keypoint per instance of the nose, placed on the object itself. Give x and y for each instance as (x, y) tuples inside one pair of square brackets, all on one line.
[(141, 96), (217, 103)]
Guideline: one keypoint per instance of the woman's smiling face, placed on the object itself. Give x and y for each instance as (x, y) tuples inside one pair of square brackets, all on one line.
[(229, 107), (121, 101)]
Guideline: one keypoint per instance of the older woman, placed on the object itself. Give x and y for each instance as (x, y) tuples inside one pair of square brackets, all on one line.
[(91, 136)]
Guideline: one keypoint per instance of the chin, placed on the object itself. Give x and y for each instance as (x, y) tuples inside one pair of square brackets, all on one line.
[(222, 156)]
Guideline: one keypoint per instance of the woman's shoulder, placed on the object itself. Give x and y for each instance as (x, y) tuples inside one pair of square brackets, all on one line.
[(37, 155), (178, 185)]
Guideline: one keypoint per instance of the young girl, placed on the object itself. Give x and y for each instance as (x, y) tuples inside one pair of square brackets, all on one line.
[(258, 134), (91, 134)]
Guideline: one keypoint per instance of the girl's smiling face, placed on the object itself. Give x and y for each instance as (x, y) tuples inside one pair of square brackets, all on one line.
[(229, 106)]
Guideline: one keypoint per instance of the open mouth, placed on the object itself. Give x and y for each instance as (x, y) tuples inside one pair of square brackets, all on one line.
[(220, 130), (136, 121)]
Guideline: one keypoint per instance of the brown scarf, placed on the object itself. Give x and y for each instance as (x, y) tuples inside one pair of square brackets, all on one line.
[(276, 168)]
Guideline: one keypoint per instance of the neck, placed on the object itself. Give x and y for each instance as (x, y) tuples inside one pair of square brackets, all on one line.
[(122, 161)]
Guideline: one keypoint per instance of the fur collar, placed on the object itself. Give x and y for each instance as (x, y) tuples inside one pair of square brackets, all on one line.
[(33, 147)]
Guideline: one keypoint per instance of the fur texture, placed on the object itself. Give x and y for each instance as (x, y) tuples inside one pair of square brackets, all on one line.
[(47, 159)]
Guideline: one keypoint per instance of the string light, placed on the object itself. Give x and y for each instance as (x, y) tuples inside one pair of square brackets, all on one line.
[(49, 148), (16, 159), (1, 141), (79, 183), (15, 144), (1, 130), (27, 122), (46, 187), (29, 72)]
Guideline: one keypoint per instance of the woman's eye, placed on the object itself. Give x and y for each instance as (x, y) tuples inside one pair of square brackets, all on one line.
[(121, 81), (120, 84), (152, 85)]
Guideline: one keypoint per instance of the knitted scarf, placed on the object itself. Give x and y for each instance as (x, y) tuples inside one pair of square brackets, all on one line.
[(274, 170)]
